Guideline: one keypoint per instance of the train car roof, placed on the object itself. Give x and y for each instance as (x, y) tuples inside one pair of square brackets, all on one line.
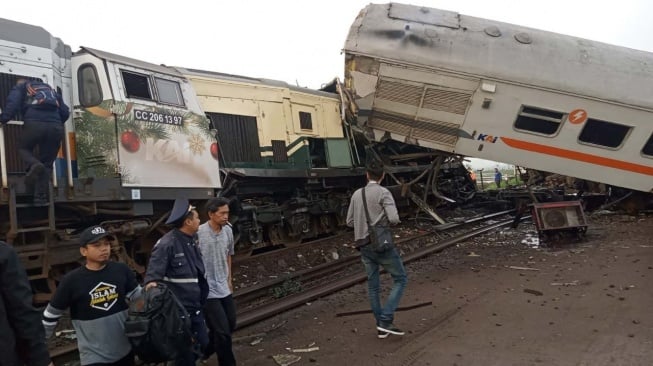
[(162, 69), (490, 49), (32, 35), (251, 80)]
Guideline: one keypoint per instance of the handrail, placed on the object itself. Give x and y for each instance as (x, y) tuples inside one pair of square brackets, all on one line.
[(3, 152)]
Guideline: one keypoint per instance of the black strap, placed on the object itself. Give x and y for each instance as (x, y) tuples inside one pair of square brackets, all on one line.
[(367, 213)]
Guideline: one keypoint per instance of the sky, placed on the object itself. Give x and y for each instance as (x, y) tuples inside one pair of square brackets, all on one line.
[(296, 41)]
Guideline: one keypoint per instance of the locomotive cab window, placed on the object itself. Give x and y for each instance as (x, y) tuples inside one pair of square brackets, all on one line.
[(90, 93), (538, 120), (305, 121), (169, 91), (648, 148), (136, 85), (603, 133)]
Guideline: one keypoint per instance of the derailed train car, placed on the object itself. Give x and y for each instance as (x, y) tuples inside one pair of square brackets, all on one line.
[(503, 92)]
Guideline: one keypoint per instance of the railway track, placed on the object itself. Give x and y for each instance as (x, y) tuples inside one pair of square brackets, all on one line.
[(256, 303)]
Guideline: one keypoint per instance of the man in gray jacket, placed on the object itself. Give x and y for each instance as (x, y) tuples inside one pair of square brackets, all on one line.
[(382, 209)]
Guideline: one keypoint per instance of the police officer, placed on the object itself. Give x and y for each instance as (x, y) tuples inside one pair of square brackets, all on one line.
[(176, 261)]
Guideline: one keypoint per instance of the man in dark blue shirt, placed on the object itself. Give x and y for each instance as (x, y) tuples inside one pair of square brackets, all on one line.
[(42, 127), (176, 260)]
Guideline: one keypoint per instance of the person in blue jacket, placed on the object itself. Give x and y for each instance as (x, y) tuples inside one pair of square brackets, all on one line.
[(42, 127), (176, 260), (497, 177)]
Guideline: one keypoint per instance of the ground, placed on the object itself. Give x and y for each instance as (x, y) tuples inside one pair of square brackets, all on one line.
[(585, 303)]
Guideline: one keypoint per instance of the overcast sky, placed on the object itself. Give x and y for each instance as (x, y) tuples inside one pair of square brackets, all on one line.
[(297, 41)]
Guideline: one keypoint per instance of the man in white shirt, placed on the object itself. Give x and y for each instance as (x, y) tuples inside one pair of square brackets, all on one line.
[(217, 245)]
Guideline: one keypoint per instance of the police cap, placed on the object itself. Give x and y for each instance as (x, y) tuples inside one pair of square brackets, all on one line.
[(180, 209)]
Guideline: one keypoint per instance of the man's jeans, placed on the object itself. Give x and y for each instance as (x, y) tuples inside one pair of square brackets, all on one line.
[(393, 264)]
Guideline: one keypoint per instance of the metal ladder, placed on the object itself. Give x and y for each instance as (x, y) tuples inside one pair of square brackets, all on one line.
[(34, 253)]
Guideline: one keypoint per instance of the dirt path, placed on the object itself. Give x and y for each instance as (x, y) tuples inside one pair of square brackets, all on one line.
[(583, 304)]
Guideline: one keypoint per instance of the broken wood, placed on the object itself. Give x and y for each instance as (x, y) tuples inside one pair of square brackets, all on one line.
[(402, 308), (523, 268), (533, 292)]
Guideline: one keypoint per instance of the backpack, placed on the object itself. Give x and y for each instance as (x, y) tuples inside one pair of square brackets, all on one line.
[(158, 326), (41, 95)]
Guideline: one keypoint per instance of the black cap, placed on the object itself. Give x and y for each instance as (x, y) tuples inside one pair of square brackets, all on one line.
[(180, 209), (92, 235)]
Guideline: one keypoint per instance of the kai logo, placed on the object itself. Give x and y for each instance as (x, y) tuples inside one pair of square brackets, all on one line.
[(487, 138), (167, 150), (103, 296)]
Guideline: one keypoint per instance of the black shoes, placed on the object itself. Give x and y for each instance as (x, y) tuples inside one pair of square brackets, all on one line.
[(33, 173), (388, 328), (382, 334)]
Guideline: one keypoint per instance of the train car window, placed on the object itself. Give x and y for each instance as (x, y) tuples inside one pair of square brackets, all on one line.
[(169, 91), (538, 120), (90, 93), (305, 121), (602, 133), (136, 85), (648, 148)]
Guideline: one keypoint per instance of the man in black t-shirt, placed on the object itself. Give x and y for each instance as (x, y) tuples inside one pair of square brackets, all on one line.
[(97, 295)]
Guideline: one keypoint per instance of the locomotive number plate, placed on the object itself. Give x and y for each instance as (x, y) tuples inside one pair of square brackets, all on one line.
[(158, 117)]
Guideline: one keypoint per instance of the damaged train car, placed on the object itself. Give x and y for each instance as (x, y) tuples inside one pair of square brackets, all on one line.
[(482, 88)]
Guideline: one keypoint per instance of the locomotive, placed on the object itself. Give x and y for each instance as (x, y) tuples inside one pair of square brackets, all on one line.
[(142, 134)]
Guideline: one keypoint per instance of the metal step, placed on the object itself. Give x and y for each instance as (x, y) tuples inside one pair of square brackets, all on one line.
[(32, 229), (30, 205)]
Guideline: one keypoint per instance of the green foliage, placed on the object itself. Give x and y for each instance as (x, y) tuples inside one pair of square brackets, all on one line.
[(288, 287), (96, 145)]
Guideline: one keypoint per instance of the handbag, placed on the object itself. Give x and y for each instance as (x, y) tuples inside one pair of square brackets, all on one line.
[(380, 238)]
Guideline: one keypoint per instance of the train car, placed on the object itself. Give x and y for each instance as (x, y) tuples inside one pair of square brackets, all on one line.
[(137, 138), (503, 92)]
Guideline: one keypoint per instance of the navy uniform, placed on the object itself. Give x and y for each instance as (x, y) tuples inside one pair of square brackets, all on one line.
[(43, 126), (176, 260)]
